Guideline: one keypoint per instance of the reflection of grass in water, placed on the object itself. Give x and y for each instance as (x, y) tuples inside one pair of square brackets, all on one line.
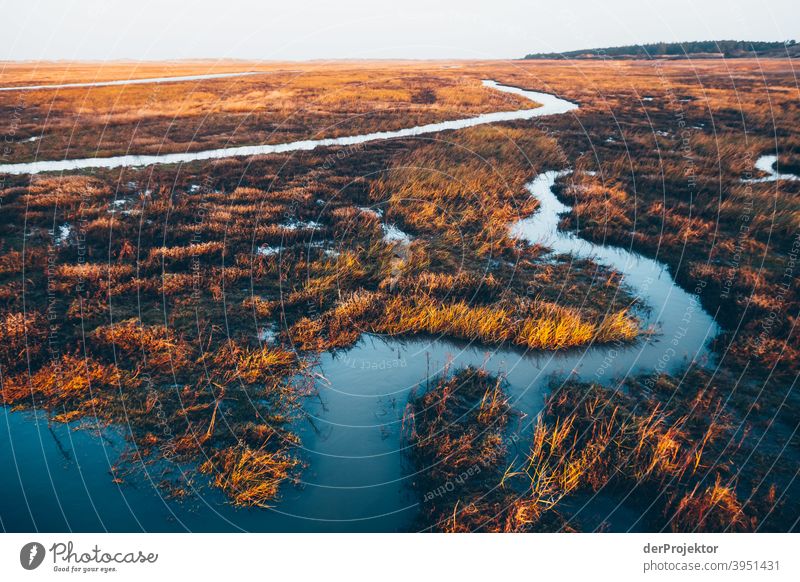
[(197, 390), (236, 417), (188, 391)]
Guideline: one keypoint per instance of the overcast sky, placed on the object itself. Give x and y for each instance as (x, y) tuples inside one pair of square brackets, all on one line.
[(301, 29)]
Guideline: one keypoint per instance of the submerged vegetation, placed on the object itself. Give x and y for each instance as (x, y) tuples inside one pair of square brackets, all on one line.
[(655, 445), (191, 303), (148, 307)]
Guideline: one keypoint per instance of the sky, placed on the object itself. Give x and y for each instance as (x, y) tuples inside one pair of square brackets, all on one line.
[(352, 29)]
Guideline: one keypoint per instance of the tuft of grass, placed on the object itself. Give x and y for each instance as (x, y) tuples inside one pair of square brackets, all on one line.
[(532, 324), (713, 508), (250, 477), (70, 380), (155, 345)]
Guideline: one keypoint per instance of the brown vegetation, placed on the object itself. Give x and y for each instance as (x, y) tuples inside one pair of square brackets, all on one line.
[(154, 301), (285, 103), (591, 443)]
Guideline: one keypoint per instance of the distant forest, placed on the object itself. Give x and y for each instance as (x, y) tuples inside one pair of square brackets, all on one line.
[(703, 48)]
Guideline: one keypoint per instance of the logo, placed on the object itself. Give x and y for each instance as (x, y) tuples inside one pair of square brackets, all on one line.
[(31, 555)]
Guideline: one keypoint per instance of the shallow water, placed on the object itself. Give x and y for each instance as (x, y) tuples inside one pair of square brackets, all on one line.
[(766, 164), (676, 315), (356, 479), (392, 234), (550, 105)]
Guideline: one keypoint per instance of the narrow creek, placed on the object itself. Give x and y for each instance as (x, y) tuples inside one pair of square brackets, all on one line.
[(549, 105), (357, 478), (767, 164)]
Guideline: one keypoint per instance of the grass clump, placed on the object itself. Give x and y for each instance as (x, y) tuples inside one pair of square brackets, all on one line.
[(530, 324), (250, 477), (456, 437), (70, 384)]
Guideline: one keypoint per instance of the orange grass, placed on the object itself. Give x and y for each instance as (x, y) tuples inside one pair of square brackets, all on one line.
[(250, 477), (589, 440), (462, 276)]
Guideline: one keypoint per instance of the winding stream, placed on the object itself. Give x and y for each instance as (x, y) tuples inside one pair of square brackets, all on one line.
[(550, 105), (766, 164), (356, 479)]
